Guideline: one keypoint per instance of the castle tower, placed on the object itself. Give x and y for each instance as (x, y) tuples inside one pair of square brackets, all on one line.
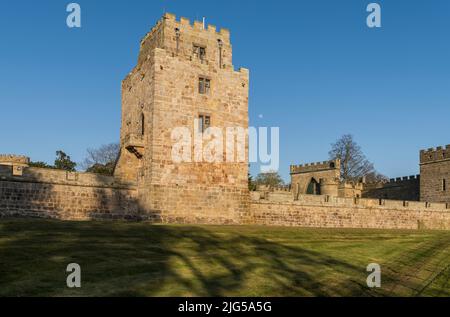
[(435, 174), (184, 79), (321, 178)]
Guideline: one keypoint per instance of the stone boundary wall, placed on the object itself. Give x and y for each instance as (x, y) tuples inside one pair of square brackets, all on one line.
[(335, 212), (401, 188), (11, 159), (48, 193), (63, 195)]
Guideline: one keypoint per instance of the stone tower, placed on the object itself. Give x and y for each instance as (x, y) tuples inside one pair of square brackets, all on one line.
[(435, 174), (184, 78), (321, 178)]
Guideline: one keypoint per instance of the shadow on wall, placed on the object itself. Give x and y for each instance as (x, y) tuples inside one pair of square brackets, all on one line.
[(64, 195), (138, 259)]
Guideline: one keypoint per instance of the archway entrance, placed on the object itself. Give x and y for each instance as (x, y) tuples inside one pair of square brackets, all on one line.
[(313, 188)]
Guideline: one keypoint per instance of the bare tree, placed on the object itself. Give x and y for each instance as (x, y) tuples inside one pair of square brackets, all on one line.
[(376, 178), (354, 164), (101, 160)]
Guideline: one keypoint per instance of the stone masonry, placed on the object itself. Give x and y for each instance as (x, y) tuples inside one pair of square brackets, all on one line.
[(435, 174), (316, 178), (401, 188), (47, 193), (184, 78), (163, 93), (322, 178)]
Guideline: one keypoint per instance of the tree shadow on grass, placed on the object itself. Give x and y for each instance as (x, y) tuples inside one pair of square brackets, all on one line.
[(139, 259)]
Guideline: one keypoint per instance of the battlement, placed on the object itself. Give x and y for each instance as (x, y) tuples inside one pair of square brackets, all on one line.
[(185, 23), (285, 188), (11, 159), (266, 188), (195, 42), (404, 179), (314, 167), (351, 185), (392, 181), (437, 154), (198, 25)]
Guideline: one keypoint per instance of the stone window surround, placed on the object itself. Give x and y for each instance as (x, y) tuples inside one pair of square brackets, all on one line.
[(199, 51), (204, 85), (204, 117)]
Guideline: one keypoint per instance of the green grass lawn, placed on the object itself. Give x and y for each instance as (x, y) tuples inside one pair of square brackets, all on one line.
[(139, 259)]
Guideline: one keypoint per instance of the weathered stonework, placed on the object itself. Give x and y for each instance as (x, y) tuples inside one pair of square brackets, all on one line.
[(47, 193), (316, 178), (161, 94), (14, 160), (322, 178), (166, 90), (435, 174), (404, 188), (334, 212)]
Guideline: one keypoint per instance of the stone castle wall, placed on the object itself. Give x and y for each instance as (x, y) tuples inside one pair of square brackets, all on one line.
[(435, 174), (17, 160), (162, 93), (404, 188), (163, 90), (82, 196), (325, 174), (47, 193), (333, 212)]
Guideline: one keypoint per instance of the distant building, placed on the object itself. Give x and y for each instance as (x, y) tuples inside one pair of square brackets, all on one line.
[(432, 185), (322, 178)]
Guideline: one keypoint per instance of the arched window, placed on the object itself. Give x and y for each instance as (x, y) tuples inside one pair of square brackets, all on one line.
[(313, 188)]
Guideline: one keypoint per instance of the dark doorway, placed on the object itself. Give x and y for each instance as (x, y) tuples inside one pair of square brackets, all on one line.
[(313, 188)]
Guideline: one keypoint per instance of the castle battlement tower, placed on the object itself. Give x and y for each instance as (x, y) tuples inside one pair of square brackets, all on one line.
[(321, 178), (184, 74), (435, 174)]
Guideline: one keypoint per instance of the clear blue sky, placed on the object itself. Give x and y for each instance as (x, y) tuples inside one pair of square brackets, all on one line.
[(317, 72)]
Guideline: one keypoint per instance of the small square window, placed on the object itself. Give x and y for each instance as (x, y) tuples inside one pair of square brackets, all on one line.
[(204, 122), (199, 52), (204, 85)]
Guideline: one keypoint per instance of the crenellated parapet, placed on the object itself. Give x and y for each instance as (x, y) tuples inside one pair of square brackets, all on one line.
[(315, 167), (14, 160), (196, 42), (400, 180), (223, 33), (400, 188), (352, 185), (267, 188), (435, 174), (433, 155)]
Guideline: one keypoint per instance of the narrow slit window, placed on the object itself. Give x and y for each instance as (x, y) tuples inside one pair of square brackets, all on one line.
[(142, 124), (444, 185)]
